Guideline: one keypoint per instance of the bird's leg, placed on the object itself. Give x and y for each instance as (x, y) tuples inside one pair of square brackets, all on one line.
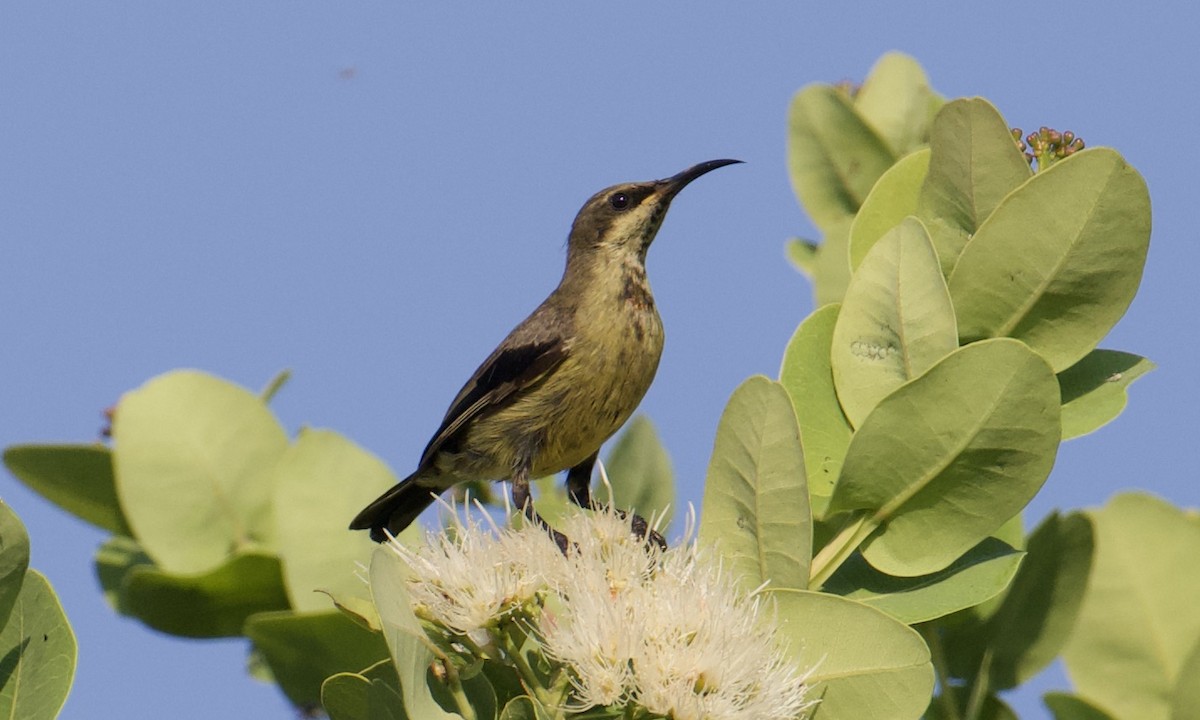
[(579, 484), (523, 500)]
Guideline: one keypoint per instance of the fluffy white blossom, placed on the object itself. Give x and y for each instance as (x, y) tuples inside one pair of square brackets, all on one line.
[(474, 576), (664, 630)]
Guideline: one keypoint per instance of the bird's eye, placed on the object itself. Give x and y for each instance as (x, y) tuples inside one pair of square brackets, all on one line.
[(619, 201)]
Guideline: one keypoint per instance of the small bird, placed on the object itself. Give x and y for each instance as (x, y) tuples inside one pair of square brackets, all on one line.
[(565, 379)]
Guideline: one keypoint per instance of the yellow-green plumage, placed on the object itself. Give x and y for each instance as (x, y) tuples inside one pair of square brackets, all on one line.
[(567, 377)]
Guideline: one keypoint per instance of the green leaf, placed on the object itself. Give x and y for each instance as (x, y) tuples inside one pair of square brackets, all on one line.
[(77, 478), (1059, 260), (14, 559), (992, 707), (356, 696), (345, 696), (974, 165), (802, 254), (1012, 533), (982, 573), (302, 649), (640, 472), (477, 690), (1072, 707), (411, 650), (321, 482), (834, 156), (897, 101), (522, 708), (1185, 699), (945, 460), (808, 378), (755, 499), (1095, 389), (361, 610), (865, 663), (892, 199), (193, 458), (1140, 620), (1039, 611), (114, 560), (1037, 614), (211, 604), (896, 320), (37, 654), (832, 265)]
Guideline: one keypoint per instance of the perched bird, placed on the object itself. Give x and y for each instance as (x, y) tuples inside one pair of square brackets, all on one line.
[(565, 379)]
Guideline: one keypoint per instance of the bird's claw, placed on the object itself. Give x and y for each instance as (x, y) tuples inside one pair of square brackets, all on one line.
[(642, 529)]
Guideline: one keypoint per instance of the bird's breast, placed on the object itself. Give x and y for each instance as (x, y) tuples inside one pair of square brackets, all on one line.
[(612, 362)]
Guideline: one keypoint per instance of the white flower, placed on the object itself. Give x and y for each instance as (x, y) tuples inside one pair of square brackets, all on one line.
[(665, 630), (470, 579), (668, 630)]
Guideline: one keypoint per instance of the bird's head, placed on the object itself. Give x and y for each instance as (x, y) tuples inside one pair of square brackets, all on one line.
[(622, 220)]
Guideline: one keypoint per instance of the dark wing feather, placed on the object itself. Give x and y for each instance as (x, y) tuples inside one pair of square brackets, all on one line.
[(513, 367)]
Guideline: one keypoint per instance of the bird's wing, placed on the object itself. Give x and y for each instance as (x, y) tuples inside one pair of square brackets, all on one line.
[(511, 368)]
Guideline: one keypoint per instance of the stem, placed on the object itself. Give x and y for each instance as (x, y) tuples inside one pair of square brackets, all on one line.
[(839, 550), (937, 655), (453, 681), (528, 677), (460, 696), (981, 686)]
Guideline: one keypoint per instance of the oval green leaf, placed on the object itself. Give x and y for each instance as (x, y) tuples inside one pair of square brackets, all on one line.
[(982, 573), (193, 458), (409, 647), (14, 559), (208, 605), (866, 665), (1096, 389), (1065, 706), (755, 496), (319, 484), (345, 696), (37, 654), (992, 707), (802, 254), (948, 458), (1059, 260), (831, 272), (114, 559), (896, 320), (640, 472), (834, 157), (892, 199), (302, 649), (897, 101), (808, 378), (522, 707), (1037, 613), (77, 478), (352, 696), (1140, 619), (1185, 699), (975, 163)]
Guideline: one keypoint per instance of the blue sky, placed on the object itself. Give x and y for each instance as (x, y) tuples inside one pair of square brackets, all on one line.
[(372, 194)]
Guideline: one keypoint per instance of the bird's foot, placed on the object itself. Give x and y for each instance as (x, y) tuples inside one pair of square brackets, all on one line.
[(642, 529), (637, 524)]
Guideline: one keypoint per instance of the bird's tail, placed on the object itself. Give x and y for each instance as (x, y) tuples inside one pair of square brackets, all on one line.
[(396, 508)]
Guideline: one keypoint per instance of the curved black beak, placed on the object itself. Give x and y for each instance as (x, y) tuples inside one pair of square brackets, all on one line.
[(675, 183)]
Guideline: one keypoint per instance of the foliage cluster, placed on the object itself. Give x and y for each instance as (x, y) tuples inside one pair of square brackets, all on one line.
[(962, 288)]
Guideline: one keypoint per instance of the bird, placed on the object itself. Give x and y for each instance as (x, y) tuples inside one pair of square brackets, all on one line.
[(565, 379)]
